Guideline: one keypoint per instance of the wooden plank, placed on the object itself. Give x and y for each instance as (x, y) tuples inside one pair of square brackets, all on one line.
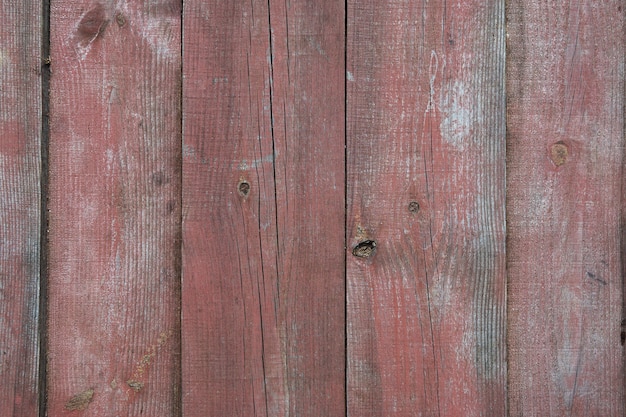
[(20, 151), (426, 190), (263, 217), (565, 152), (114, 200)]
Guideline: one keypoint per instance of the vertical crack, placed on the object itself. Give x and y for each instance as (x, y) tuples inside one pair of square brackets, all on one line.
[(269, 17), (260, 229), (271, 86)]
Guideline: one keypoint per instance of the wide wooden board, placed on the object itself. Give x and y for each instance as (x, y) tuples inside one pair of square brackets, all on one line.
[(264, 211), (565, 83), (426, 190), (20, 150), (114, 201)]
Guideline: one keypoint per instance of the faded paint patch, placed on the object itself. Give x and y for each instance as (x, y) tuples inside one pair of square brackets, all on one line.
[(160, 35), (457, 108), (4, 59), (318, 47), (246, 165), (158, 29), (188, 151)]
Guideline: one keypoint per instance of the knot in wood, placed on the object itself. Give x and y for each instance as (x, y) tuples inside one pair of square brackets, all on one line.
[(244, 188), (414, 206), (365, 249), (559, 153)]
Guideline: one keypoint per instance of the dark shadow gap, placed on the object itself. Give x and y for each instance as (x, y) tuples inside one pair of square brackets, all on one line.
[(43, 235), (345, 201), (622, 225), (178, 393)]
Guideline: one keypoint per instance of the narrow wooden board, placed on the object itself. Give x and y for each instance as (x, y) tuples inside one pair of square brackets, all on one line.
[(565, 84), (426, 225), (20, 151), (114, 201), (264, 210)]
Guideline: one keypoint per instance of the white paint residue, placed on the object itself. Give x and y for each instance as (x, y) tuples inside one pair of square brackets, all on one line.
[(110, 157), (349, 76), (158, 34), (457, 108), (83, 47), (83, 51), (246, 165), (8, 90), (315, 44), (433, 67), (188, 150), (77, 147)]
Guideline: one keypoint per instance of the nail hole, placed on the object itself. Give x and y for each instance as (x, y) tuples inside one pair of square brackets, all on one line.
[(364, 249), (244, 188), (414, 206)]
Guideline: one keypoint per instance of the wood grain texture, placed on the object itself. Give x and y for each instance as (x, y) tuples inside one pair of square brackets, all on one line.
[(565, 84), (114, 201), (20, 145), (264, 210), (426, 164)]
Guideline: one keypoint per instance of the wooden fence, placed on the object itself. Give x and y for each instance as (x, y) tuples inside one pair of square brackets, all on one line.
[(312, 208)]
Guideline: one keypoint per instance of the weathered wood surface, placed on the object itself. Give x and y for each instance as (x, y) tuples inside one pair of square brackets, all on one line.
[(565, 151), (114, 201), (261, 98), (264, 211), (426, 162), (20, 144)]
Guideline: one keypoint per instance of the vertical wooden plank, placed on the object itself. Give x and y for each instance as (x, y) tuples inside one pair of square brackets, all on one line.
[(264, 210), (565, 152), (426, 190), (114, 200), (20, 144)]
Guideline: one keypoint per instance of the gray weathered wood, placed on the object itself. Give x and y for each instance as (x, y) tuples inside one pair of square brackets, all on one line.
[(20, 144)]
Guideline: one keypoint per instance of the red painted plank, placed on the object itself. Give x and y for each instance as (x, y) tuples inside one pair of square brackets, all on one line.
[(114, 201), (566, 140), (20, 143), (426, 226), (263, 217)]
